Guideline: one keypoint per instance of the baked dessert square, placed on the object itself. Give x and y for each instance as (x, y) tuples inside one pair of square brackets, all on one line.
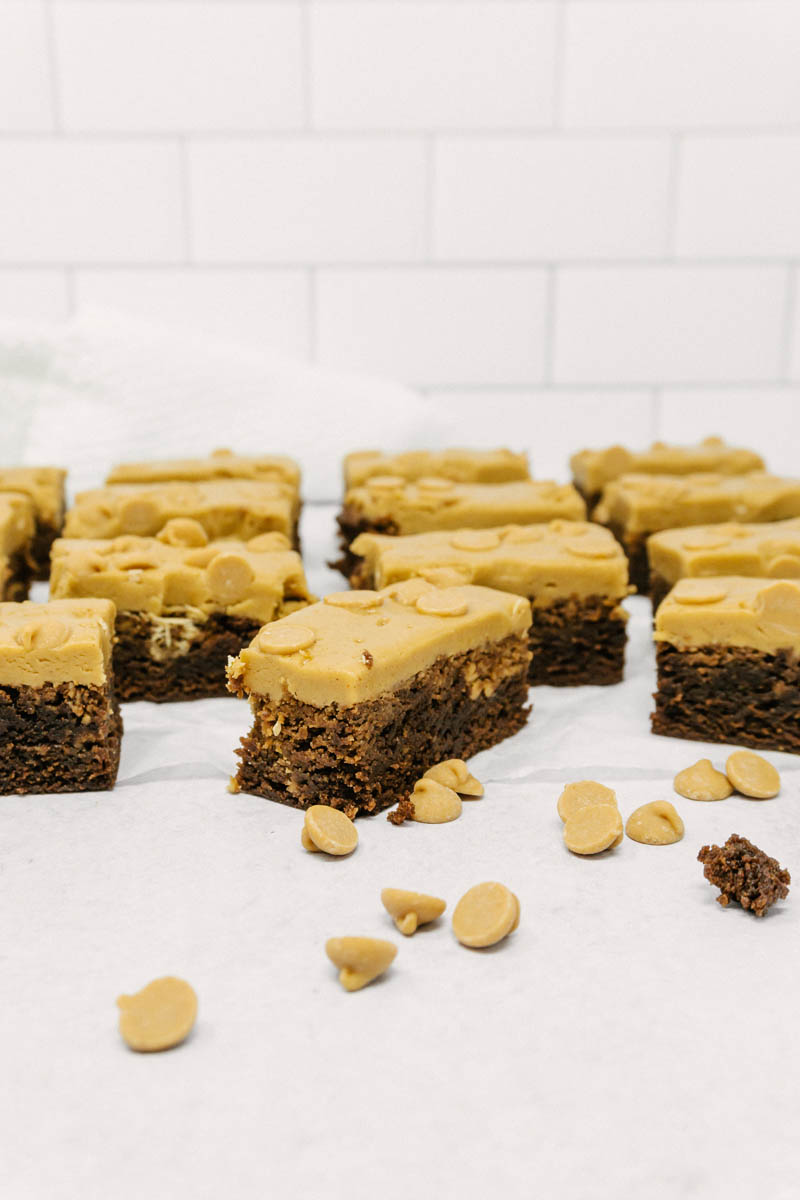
[(388, 504), (593, 469), (770, 549), (636, 506), (355, 697), (220, 464), (60, 727), (184, 604), (226, 508), (44, 487), (460, 466), (574, 574), (17, 533), (727, 652)]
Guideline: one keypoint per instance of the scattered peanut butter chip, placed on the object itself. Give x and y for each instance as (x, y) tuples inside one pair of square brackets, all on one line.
[(285, 639), (359, 959), (158, 1017), (655, 824), (752, 775), (411, 909), (702, 782), (594, 829), (306, 842), (434, 804), (585, 793), (448, 602), (183, 531), (475, 539), (329, 829), (485, 915), (454, 773), (229, 576), (355, 601), (698, 591)]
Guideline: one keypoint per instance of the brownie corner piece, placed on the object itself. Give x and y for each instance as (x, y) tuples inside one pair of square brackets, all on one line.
[(353, 699), (60, 725)]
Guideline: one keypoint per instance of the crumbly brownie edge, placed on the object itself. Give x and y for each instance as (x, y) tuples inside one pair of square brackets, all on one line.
[(367, 756), (44, 536), (351, 523), (659, 588), (63, 737), (635, 547), (18, 581), (195, 671), (729, 694)]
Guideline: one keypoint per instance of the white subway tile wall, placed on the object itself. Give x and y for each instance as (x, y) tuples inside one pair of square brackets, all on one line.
[(571, 220)]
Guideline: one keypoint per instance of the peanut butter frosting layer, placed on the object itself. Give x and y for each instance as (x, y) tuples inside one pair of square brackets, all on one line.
[(434, 503), (44, 486), (593, 469), (461, 466), (62, 641), (355, 646), (235, 508), (639, 504), (543, 562), (183, 571), (17, 522), (731, 610), (221, 464), (770, 549)]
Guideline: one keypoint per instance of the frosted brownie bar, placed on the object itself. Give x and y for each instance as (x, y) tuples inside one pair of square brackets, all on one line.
[(184, 604), (44, 487), (574, 574), (728, 665), (354, 697), (461, 466), (390, 505), (635, 506), (229, 508), (593, 469), (221, 464), (770, 549), (17, 531), (60, 726)]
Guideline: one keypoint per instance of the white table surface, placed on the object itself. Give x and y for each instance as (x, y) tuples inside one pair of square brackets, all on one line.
[(631, 1039)]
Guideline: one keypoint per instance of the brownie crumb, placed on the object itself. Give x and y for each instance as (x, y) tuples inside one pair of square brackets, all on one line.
[(404, 812), (744, 873)]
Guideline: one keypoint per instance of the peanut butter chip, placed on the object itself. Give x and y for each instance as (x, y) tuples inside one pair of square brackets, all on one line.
[(785, 566), (702, 782), (285, 639), (454, 773), (485, 915), (409, 591), (229, 576), (445, 577), (698, 591), (359, 959), (183, 531), (432, 483), (752, 775), (583, 794), (411, 909), (655, 824), (705, 541), (778, 602), (445, 603), (43, 634), (475, 539), (589, 547), (139, 515), (386, 483), (355, 601), (266, 542), (434, 804), (329, 830), (158, 1017), (594, 829)]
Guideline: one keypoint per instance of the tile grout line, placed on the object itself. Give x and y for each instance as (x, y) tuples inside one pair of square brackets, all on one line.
[(559, 65), (430, 201), (52, 67), (187, 238), (787, 331), (673, 186), (549, 324), (313, 326), (307, 82)]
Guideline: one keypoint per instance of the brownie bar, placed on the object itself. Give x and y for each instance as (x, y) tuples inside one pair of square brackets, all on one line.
[(44, 488), (461, 466), (220, 464), (578, 641)]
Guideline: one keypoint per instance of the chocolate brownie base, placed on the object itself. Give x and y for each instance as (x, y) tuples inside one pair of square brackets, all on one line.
[(368, 756), (61, 737), (635, 548), (351, 523), (729, 694), (578, 641), (659, 588), (176, 659), (43, 539), (17, 583)]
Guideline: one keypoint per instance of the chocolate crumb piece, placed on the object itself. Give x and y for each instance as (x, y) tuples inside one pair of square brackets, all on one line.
[(367, 658), (744, 873), (404, 812)]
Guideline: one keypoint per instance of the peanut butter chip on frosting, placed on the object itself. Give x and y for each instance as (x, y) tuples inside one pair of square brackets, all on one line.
[(386, 483), (444, 603), (44, 634), (229, 576), (183, 531), (475, 539), (785, 566), (778, 602), (355, 601), (698, 591), (285, 639), (590, 547), (432, 483), (139, 515)]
